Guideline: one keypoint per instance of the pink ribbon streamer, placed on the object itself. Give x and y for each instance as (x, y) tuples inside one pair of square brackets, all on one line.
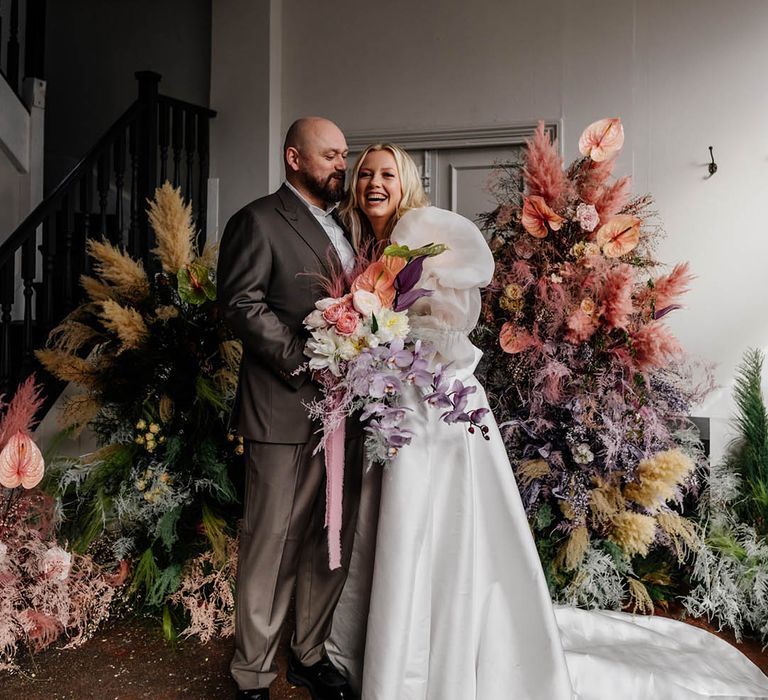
[(334, 490)]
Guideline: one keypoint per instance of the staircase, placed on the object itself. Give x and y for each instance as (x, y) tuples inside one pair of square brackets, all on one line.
[(158, 138)]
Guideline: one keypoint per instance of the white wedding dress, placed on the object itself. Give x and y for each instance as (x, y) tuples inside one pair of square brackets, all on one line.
[(455, 605)]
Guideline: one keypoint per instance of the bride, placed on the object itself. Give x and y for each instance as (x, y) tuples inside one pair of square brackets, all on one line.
[(446, 596)]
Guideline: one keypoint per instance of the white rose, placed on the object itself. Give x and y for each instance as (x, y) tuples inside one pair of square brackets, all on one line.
[(323, 304), (57, 563), (315, 320), (366, 303)]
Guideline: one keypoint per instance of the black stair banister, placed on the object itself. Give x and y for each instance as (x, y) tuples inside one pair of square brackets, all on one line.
[(104, 195)]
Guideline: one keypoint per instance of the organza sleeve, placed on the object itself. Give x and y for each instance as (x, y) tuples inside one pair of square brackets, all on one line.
[(467, 263)]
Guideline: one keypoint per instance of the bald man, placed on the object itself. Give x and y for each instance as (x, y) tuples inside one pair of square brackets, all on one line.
[(267, 249)]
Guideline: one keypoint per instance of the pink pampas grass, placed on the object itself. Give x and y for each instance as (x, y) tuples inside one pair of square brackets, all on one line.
[(614, 198), (617, 296), (544, 169), (20, 415), (667, 289), (654, 345)]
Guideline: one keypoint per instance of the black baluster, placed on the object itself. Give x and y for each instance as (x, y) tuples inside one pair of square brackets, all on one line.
[(64, 234), (202, 190), (48, 250), (147, 151), (12, 62), (133, 234), (7, 279), (119, 166), (28, 272), (34, 40), (102, 185), (86, 211), (190, 141), (164, 135), (178, 143)]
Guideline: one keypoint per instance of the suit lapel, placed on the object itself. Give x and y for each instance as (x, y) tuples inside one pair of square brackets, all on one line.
[(309, 229)]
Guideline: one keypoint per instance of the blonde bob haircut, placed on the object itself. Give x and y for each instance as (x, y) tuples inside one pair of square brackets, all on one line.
[(413, 197)]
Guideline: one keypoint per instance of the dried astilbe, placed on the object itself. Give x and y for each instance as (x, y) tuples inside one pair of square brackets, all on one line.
[(172, 223), (206, 594), (531, 469), (118, 270), (78, 411), (127, 323), (605, 502), (659, 477), (633, 532)]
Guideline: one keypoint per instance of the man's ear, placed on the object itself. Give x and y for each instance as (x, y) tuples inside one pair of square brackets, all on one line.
[(292, 159)]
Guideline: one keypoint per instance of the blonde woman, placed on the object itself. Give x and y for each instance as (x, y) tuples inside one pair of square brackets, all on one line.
[(456, 604)]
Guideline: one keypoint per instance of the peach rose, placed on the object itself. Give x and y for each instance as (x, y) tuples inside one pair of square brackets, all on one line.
[(334, 312), (348, 323)]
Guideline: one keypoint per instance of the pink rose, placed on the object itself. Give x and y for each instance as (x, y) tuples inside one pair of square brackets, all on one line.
[(587, 216), (348, 323), (334, 312), (56, 563)]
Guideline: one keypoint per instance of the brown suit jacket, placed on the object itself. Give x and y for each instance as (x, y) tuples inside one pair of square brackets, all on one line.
[(270, 255)]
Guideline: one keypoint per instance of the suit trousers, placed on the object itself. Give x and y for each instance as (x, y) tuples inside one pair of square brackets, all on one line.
[(283, 546)]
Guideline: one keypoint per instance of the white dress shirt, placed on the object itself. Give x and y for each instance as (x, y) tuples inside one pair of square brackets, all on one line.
[(332, 228)]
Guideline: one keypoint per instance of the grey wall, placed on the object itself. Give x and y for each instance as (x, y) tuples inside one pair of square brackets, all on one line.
[(93, 49), (682, 75)]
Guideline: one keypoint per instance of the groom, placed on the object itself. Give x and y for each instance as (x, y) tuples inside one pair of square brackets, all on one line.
[(272, 252)]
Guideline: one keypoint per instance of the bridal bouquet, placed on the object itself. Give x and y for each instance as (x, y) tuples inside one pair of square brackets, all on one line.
[(363, 353)]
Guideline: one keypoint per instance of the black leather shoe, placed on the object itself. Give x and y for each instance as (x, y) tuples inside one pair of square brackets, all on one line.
[(323, 680), (253, 694)]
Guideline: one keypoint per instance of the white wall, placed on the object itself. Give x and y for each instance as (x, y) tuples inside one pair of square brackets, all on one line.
[(682, 74)]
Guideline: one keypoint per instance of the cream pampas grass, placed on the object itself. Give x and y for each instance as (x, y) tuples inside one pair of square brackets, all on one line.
[(639, 597), (119, 271), (166, 313), (633, 532), (70, 336), (659, 477), (97, 291), (127, 323), (172, 223), (67, 367), (682, 532), (572, 553), (166, 408)]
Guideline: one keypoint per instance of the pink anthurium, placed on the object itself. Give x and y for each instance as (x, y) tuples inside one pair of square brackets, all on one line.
[(21, 463), (619, 235), (514, 339), (537, 215), (601, 139)]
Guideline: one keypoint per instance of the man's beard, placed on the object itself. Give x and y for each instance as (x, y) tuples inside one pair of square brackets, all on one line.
[(330, 190)]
